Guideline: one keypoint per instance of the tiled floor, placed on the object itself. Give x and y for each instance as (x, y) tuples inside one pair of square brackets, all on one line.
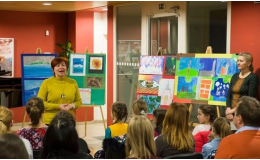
[(95, 134)]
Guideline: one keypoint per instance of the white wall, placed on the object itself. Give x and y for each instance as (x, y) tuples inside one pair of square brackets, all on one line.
[(100, 46)]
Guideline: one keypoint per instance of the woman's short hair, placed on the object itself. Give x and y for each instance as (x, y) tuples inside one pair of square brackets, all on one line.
[(35, 109), (58, 60), (6, 118)]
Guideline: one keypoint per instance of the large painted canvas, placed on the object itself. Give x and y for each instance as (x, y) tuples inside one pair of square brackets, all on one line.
[(152, 101), (151, 65), (7, 56), (148, 84), (31, 89), (37, 65), (78, 64), (204, 78)]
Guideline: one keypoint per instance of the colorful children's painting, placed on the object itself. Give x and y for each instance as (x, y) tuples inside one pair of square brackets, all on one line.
[(151, 65), (31, 89), (166, 88), (148, 84), (96, 64), (204, 78), (85, 94), (77, 65), (170, 66), (37, 66), (152, 101)]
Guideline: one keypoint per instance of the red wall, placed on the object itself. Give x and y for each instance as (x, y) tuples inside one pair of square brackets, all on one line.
[(28, 31), (110, 62), (245, 31), (84, 31)]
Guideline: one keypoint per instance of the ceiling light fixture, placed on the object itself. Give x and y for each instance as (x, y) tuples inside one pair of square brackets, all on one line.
[(104, 9), (47, 4)]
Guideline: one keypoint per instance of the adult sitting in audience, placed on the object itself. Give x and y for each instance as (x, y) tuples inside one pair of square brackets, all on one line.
[(244, 144), (36, 130), (6, 122), (12, 147), (61, 140), (176, 136)]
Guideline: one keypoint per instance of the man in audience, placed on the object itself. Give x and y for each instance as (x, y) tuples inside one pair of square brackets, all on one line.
[(244, 144)]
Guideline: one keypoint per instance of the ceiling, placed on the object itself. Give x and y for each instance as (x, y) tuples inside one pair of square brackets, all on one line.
[(57, 6)]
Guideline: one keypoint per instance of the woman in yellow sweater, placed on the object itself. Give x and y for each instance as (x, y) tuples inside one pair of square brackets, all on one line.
[(59, 92)]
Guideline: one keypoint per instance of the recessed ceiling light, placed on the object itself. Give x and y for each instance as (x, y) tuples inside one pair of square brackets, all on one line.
[(104, 9), (47, 4)]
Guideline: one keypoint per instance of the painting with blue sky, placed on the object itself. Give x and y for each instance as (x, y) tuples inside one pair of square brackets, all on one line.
[(37, 66), (187, 87), (77, 65), (189, 67), (226, 67)]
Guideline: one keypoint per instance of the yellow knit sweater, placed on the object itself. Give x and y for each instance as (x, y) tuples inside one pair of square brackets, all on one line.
[(50, 92)]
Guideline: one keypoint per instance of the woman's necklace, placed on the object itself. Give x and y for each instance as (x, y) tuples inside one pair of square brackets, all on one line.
[(62, 90), (245, 75)]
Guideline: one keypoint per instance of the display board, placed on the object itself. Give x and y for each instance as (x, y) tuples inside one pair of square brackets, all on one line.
[(156, 81), (204, 78), (35, 69), (89, 71)]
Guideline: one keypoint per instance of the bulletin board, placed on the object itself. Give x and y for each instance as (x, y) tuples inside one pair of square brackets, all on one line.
[(156, 81), (89, 71), (35, 69), (204, 78)]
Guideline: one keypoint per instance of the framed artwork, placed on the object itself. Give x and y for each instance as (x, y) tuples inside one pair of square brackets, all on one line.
[(7, 56), (96, 64), (77, 64), (31, 88), (37, 65)]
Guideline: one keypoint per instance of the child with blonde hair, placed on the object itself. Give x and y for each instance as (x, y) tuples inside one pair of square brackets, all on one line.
[(140, 142)]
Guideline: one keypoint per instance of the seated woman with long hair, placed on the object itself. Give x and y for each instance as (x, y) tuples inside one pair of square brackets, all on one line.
[(176, 136)]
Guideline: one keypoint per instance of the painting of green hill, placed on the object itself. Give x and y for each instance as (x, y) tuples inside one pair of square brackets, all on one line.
[(191, 73), (186, 95)]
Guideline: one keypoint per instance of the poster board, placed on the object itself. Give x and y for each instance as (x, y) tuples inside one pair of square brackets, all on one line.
[(35, 69), (156, 81), (204, 78), (89, 71), (7, 56)]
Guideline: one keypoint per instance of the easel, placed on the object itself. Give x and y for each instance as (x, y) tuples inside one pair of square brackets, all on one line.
[(208, 51), (101, 111)]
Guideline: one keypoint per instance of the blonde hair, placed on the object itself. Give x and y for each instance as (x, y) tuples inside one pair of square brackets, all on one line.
[(221, 127), (6, 117), (176, 127), (140, 140), (249, 59), (138, 106)]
